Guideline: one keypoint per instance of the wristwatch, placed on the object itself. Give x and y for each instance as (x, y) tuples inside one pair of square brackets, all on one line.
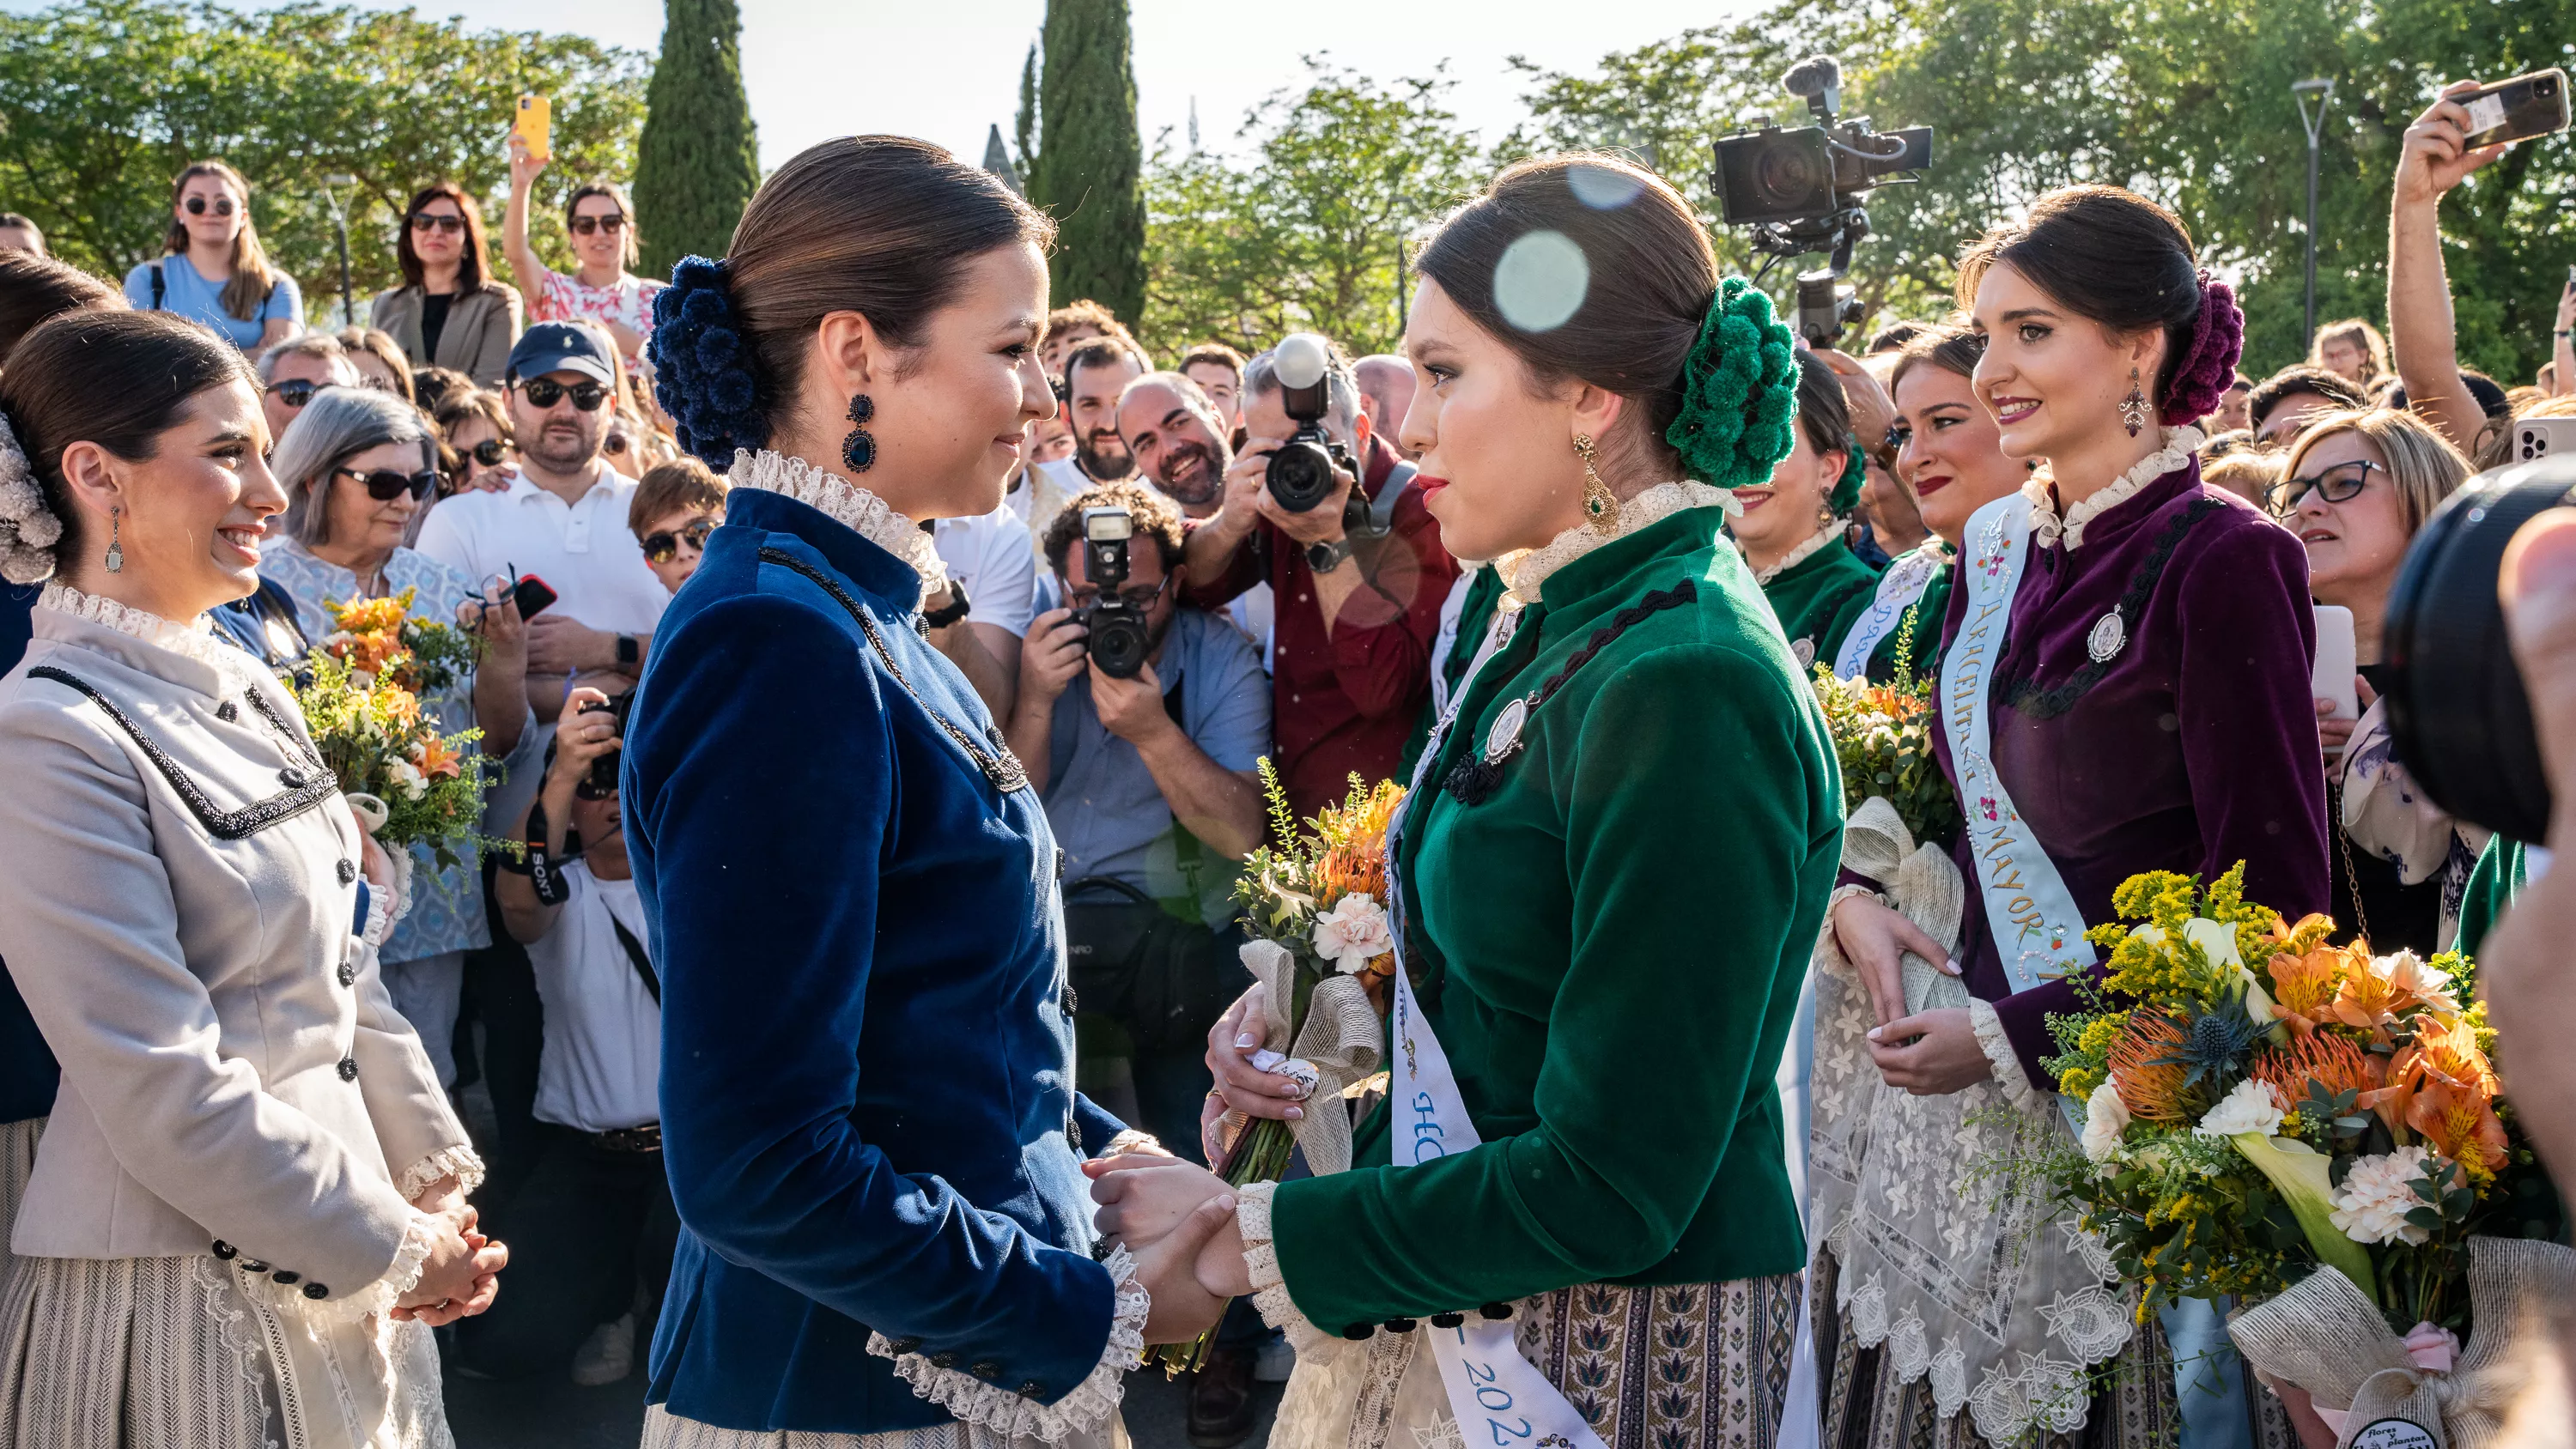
[(957, 608), (1323, 558), (628, 651)]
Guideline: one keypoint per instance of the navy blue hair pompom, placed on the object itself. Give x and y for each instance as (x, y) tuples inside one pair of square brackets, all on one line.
[(701, 369)]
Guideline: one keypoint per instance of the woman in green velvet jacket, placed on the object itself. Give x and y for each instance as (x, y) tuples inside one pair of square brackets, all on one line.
[(1611, 869), (1793, 523)]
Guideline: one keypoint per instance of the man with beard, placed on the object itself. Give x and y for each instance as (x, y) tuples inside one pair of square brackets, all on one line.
[(1177, 435), (1094, 377)]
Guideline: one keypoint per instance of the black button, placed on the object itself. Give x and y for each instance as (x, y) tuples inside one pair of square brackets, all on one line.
[(986, 1369), (1399, 1325), (316, 1292), (905, 1344), (225, 1250), (1447, 1320), (1495, 1310), (348, 1069), (1101, 1249), (227, 711), (288, 1276), (1073, 1136), (943, 1359), (348, 974), (1066, 1001), (1059, 862), (1033, 1390), (252, 1265), (1358, 1331), (348, 872), (291, 777)]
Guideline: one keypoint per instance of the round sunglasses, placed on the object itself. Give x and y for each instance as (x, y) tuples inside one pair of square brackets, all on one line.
[(2341, 483), (295, 392), (545, 392), (197, 206), (385, 485), (423, 223), (663, 547), (612, 224)]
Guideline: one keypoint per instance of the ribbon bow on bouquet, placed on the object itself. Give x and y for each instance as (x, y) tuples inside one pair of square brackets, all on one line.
[(1923, 883), (1339, 1044)]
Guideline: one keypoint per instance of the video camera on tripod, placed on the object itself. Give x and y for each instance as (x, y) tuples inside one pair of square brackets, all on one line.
[(1800, 191)]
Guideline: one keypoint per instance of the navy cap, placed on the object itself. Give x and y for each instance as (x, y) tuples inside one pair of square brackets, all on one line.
[(562, 347)]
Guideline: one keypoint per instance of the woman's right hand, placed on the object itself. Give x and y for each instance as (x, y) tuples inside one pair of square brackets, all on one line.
[(1239, 1084), (524, 165), (1875, 936)]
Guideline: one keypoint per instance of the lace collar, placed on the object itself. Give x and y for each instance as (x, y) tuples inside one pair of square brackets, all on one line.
[(1803, 552), (2179, 444), (844, 502), (194, 639), (1525, 572)]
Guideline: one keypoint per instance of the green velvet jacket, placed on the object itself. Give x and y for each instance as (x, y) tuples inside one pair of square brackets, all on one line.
[(1610, 947), (1921, 644), (2502, 871), (1818, 600), (1475, 615)]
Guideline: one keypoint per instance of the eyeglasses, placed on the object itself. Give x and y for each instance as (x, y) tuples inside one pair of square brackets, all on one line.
[(295, 392), (423, 222), (612, 223), (197, 206), (663, 547), (545, 392), (1089, 594), (2339, 484), (385, 485), (491, 452)]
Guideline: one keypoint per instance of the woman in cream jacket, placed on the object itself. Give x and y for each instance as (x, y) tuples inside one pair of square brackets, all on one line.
[(249, 1203)]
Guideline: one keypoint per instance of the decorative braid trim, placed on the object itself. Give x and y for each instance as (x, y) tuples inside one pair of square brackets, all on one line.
[(995, 1408), (376, 1298), (845, 503), (2179, 444), (1524, 573), (1803, 552), (2000, 1055), (195, 638), (459, 1162), (1269, 1287)]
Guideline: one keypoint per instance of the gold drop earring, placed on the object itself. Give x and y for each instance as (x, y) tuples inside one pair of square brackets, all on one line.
[(1600, 505)]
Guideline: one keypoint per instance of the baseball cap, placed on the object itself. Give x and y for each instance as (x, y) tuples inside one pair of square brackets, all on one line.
[(562, 347)]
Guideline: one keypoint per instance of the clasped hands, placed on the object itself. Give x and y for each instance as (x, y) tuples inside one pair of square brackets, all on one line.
[(1932, 1053), (462, 1273)]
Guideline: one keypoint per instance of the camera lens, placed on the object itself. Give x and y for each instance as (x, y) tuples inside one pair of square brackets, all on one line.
[(1119, 643), (2458, 715), (1786, 174), (1300, 476)]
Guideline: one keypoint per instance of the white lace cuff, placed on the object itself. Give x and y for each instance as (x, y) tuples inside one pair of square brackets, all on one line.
[(2000, 1056), (1834, 960), (1269, 1287), (995, 1408), (459, 1162), (375, 1298), (380, 915), (1132, 1140)]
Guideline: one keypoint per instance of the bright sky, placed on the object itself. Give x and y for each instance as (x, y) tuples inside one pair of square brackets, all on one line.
[(947, 69)]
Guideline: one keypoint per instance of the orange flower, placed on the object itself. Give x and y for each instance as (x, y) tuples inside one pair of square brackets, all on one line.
[(2304, 986), (2319, 1058), (2370, 997), (434, 759), (2460, 1123), (372, 616), (2150, 1088)]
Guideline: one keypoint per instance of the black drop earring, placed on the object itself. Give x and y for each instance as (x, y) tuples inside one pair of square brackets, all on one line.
[(858, 449)]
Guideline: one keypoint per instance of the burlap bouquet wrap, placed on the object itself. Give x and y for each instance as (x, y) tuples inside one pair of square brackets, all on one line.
[(2326, 1336), (1341, 1043)]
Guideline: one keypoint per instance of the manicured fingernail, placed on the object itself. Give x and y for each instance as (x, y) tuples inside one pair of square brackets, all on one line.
[(1226, 1202), (1951, 965), (1246, 1042), (1873, 1033), (1296, 1114)]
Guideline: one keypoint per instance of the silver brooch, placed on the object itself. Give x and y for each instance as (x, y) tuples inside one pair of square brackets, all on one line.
[(2109, 633), (1505, 735), (1804, 651)]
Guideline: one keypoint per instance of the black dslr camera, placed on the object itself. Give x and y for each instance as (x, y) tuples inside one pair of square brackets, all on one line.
[(601, 782), (1800, 191), (1300, 474), (1120, 637)]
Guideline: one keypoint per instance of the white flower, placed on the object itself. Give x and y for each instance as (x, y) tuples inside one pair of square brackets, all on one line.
[(2378, 1193), (2216, 940), (2253, 1107), (407, 778), (1353, 933), (2105, 1118)]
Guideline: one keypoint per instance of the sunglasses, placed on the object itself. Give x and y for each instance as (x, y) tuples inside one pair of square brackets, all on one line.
[(491, 452), (663, 547), (295, 392), (197, 206), (425, 222), (612, 223), (2341, 483), (385, 485), (545, 392)]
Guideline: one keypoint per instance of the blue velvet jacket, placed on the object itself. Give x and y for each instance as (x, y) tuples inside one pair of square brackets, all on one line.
[(868, 1111)]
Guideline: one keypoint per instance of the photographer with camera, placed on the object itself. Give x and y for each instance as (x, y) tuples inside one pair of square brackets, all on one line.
[(595, 1207), (1325, 511)]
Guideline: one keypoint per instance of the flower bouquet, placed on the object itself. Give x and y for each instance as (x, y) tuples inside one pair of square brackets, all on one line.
[(410, 783), (379, 636), (1323, 950), (1882, 737)]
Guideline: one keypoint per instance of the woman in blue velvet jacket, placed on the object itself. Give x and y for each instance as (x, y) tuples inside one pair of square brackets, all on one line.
[(868, 1109)]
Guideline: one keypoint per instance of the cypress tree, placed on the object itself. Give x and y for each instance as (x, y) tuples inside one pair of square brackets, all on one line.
[(1089, 167), (697, 163)]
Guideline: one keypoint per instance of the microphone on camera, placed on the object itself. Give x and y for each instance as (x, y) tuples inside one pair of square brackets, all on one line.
[(1817, 75)]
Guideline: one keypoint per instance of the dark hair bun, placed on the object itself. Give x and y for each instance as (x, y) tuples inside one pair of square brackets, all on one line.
[(701, 369), (2217, 340)]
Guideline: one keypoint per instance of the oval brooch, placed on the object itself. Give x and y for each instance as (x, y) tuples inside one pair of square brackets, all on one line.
[(2109, 633), (1505, 735), (1804, 651)]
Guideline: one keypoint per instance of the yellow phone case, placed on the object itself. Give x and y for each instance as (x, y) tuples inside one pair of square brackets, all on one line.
[(535, 125)]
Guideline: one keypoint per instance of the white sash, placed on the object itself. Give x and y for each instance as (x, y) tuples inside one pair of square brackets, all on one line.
[(1903, 583), (2037, 929)]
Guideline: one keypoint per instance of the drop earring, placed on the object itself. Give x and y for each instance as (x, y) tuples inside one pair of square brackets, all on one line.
[(2133, 408), (1600, 505), (115, 549), (859, 450)]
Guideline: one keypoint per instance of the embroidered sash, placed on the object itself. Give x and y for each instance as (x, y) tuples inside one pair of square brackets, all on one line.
[(1902, 584)]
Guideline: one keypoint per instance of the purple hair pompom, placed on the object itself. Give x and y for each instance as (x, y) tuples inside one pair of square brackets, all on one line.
[(2217, 341)]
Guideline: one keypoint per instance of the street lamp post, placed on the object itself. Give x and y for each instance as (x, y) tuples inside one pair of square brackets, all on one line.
[(340, 218), (2315, 121)]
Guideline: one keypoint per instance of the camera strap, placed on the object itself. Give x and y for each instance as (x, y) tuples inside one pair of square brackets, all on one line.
[(1382, 507)]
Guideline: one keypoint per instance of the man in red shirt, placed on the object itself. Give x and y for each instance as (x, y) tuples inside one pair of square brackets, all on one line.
[(1357, 608)]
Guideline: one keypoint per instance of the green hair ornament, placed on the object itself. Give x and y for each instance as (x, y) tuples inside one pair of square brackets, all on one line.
[(1846, 490), (1739, 392)]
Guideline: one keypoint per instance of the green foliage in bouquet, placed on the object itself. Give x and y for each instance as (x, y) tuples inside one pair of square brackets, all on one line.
[(1883, 740), (372, 736)]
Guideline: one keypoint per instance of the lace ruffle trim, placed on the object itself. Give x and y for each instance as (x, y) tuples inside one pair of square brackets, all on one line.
[(1801, 553), (2179, 444), (1269, 1286), (845, 503), (1132, 1140), (995, 1408), (375, 1298), (195, 639), (1524, 573), (2000, 1054), (459, 1162)]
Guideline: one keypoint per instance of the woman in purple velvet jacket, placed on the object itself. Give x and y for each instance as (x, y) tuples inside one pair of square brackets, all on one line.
[(2124, 688)]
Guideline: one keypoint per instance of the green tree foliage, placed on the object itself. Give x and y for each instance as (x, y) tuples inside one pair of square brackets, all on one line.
[(1088, 168), (697, 163), (103, 101), (1306, 236)]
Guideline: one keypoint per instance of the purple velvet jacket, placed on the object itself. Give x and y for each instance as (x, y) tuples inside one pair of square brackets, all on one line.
[(2193, 748)]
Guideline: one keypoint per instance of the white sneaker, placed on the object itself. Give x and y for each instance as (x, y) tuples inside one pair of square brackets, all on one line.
[(607, 1356), (1274, 1361)]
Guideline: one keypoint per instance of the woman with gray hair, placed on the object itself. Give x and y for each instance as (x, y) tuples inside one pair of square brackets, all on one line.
[(358, 466)]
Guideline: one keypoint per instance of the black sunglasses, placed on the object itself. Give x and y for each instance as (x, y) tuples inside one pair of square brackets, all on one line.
[(491, 452), (663, 547), (422, 221), (295, 392), (385, 485), (545, 392), (197, 206), (612, 223), (2341, 483)]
